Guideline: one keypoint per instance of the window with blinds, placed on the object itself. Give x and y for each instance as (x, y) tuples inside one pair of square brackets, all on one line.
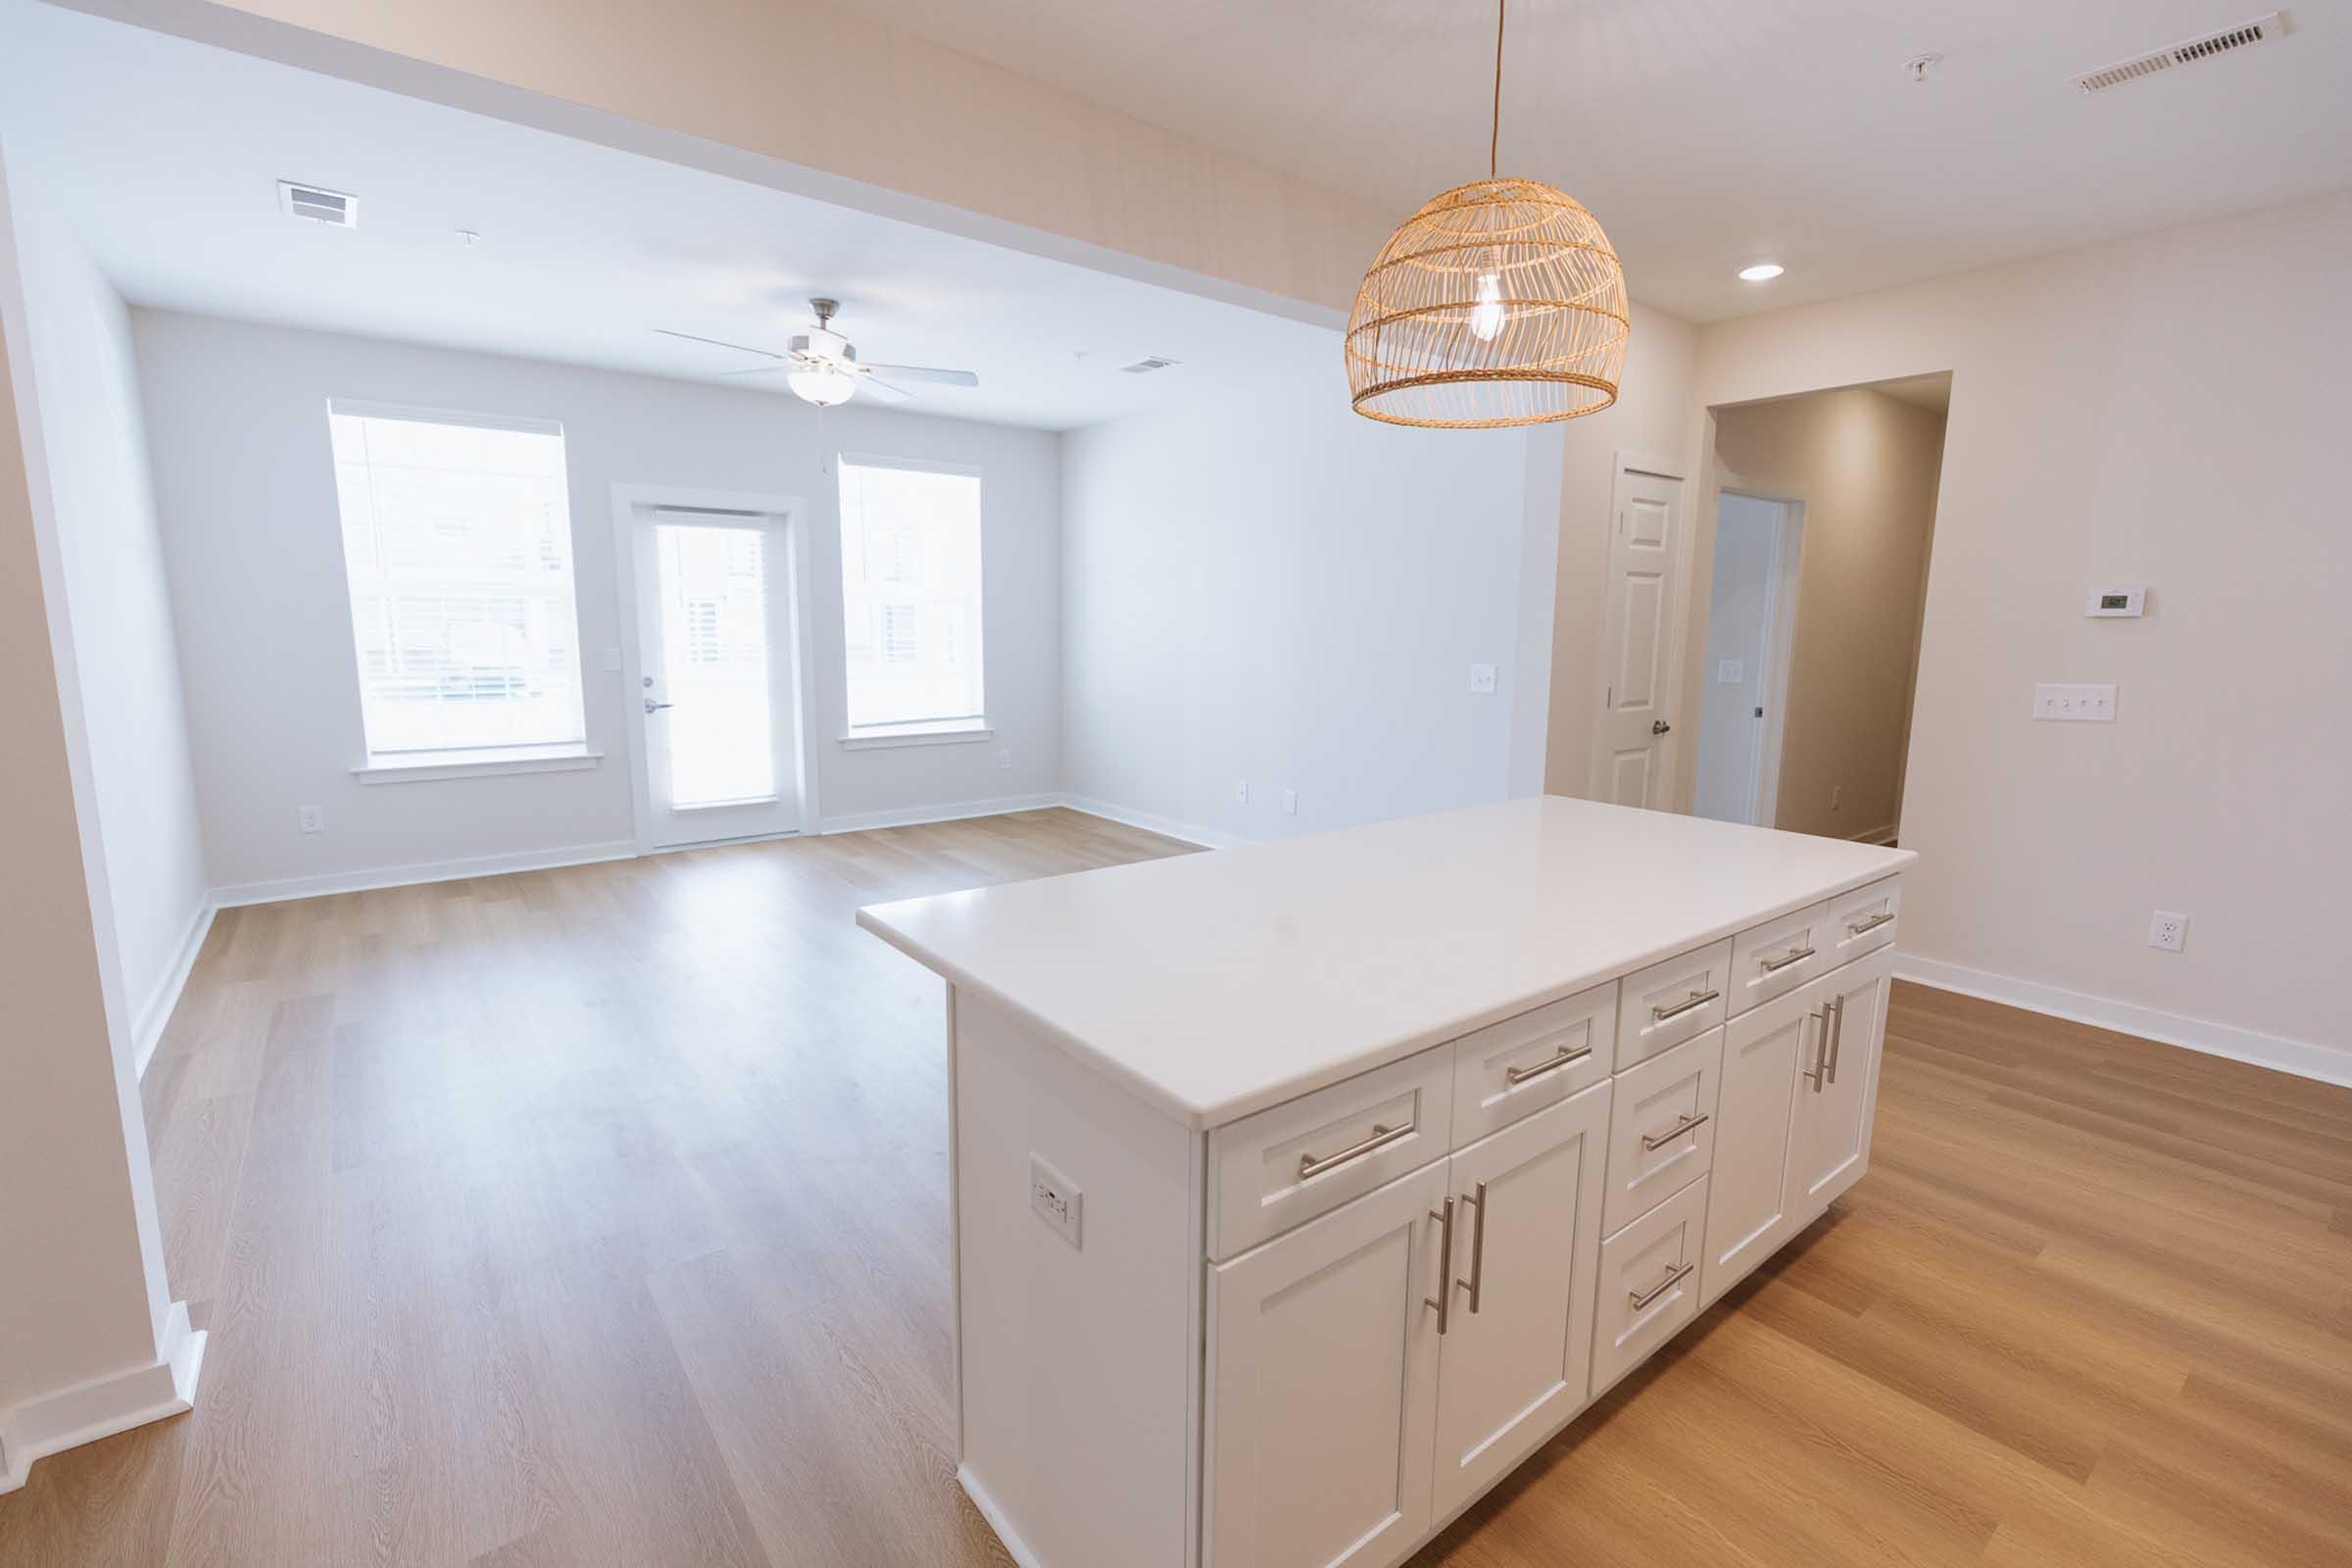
[(457, 542), (910, 596)]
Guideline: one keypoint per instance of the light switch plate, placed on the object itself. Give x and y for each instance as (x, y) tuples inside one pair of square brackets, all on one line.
[(2075, 704), (1482, 678), (1057, 1201), (1730, 671)]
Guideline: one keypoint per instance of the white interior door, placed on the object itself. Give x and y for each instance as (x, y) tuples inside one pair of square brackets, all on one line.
[(1735, 678), (1644, 552), (1516, 1360), (717, 699)]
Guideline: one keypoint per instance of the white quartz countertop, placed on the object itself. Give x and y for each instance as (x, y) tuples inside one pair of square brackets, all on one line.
[(1218, 984)]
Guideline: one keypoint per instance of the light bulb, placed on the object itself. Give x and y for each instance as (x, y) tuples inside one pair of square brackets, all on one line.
[(823, 385), (1486, 317)]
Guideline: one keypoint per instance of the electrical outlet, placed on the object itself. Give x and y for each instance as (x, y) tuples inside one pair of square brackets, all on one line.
[(2168, 929), (1054, 1198), (1290, 803), (1482, 678), (1004, 758), (311, 817), (1241, 793)]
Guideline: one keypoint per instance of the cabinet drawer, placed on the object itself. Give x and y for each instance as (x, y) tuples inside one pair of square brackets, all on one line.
[(1662, 1128), (1293, 1161), (1649, 1284), (1864, 920), (1667, 1003), (1520, 1066), (1774, 958)]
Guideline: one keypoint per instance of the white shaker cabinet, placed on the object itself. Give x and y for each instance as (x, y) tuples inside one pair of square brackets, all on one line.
[(1302, 1192)]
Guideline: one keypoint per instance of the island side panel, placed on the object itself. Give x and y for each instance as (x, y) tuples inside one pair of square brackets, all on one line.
[(1078, 1366)]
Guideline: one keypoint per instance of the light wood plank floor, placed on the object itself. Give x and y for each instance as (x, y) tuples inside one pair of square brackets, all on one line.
[(598, 1217)]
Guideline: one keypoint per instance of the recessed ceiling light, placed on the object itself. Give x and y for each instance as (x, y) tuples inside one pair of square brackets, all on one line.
[(1761, 272)]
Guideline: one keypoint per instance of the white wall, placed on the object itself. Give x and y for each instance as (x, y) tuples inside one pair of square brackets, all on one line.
[(112, 556), (1260, 584), (245, 483), (2168, 409)]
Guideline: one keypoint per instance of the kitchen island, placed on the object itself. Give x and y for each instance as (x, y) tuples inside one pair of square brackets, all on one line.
[(1301, 1191)]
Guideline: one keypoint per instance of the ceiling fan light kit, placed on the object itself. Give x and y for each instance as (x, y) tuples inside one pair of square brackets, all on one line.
[(1499, 303), (821, 366)]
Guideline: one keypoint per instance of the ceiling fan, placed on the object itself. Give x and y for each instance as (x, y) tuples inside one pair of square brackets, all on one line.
[(822, 366)]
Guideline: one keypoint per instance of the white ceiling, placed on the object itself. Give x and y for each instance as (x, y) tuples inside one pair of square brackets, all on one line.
[(1706, 134), (166, 156)]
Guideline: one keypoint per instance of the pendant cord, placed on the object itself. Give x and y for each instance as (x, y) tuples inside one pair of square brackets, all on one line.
[(1495, 133)]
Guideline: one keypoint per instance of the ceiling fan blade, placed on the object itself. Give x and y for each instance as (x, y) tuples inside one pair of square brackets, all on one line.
[(874, 386), (924, 372), (719, 343), (762, 370)]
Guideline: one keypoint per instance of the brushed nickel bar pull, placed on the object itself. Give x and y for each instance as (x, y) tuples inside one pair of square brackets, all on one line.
[(1688, 1124), (1697, 999), (1515, 1076), (1445, 1296), (1820, 1056), (1858, 927), (1674, 1276), (1478, 1248), (1837, 1045), (1792, 955), (1382, 1137)]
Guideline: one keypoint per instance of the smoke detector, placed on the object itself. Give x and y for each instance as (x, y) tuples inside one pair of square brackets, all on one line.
[(333, 207), (2189, 52)]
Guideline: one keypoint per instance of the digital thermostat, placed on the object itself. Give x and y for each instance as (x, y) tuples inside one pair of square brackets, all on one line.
[(2113, 601)]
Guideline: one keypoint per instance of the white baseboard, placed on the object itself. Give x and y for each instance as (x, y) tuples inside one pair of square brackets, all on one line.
[(1014, 1547), (2302, 1058), (401, 876), (1207, 838), (148, 1032), (49, 1423), (917, 816)]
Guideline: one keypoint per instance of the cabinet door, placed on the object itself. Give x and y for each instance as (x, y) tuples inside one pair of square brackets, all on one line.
[(1748, 1214), (1837, 1088), (1516, 1357), (1323, 1372)]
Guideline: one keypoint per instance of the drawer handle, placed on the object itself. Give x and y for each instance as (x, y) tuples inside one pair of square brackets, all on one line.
[(1688, 1124), (1382, 1137), (1674, 1276), (1792, 955), (1515, 1076), (1443, 1299), (1697, 999), (1858, 927)]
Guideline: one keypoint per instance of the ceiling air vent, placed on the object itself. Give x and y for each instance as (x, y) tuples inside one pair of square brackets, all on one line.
[(319, 206), (1147, 367), (2244, 35)]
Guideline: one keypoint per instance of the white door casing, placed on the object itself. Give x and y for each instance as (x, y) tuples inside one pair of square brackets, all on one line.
[(1511, 1370), (1638, 655)]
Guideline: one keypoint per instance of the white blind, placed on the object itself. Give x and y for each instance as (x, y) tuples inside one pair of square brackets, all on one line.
[(457, 539), (910, 593)]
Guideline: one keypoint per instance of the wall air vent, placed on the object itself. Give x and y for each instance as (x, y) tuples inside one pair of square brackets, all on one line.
[(1147, 367), (2246, 34), (318, 206)]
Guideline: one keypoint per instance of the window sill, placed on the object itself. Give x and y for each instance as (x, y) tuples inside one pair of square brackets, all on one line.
[(918, 735), (479, 764)]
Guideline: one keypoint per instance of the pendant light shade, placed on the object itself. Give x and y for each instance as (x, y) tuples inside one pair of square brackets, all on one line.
[(1499, 303)]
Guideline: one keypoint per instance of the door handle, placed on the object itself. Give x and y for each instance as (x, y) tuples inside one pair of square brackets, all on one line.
[(1478, 1248), (1658, 726), (1442, 1299), (653, 706), (1836, 1041), (1821, 1056)]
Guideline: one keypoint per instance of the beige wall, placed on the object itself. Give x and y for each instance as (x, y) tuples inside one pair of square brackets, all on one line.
[(2167, 410), (1865, 465), (82, 1284)]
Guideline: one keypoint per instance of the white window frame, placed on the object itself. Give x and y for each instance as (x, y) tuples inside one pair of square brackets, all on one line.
[(402, 767), (928, 732)]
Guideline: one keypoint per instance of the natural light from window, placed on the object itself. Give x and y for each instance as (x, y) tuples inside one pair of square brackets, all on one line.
[(457, 539), (910, 598)]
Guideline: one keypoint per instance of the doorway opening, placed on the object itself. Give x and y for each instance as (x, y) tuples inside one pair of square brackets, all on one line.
[(1823, 513)]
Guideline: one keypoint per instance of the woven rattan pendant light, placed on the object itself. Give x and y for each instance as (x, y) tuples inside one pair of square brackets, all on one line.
[(1498, 303)]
